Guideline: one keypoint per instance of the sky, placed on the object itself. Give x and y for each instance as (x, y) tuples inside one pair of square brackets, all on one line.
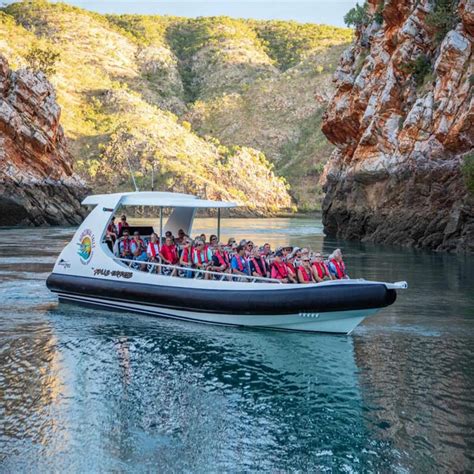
[(311, 11)]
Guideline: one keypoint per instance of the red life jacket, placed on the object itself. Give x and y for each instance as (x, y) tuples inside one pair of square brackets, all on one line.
[(238, 259), (111, 228), (305, 274), (154, 249), (223, 259), (126, 245), (169, 253), (257, 266), (322, 269), (140, 243), (185, 255), (291, 267), (340, 268), (281, 269), (199, 256)]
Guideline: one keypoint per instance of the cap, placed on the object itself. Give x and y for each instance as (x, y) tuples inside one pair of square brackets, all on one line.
[(278, 253)]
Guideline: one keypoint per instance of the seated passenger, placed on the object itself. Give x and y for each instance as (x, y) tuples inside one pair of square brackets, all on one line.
[(169, 255), (290, 261), (153, 252), (230, 242), (186, 259), (221, 260), (320, 269), (138, 249), (169, 234), (123, 246), (258, 265), (181, 237), (111, 234), (337, 266), (122, 224), (238, 263), (213, 242), (201, 259), (279, 270), (266, 252), (248, 249), (305, 274)]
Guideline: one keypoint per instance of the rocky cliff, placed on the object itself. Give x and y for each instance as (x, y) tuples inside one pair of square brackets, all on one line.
[(403, 122), (37, 185)]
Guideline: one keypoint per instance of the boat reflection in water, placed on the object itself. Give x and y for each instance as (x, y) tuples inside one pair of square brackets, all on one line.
[(180, 395)]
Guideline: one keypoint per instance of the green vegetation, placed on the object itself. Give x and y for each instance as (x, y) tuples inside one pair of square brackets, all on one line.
[(419, 69), (288, 42), (204, 101), (357, 16), (468, 172), (43, 58), (443, 18)]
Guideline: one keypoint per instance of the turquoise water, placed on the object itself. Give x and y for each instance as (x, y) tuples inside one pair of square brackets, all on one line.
[(84, 390)]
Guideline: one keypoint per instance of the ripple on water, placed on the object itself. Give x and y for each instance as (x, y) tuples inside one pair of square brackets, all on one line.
[(87, 390)]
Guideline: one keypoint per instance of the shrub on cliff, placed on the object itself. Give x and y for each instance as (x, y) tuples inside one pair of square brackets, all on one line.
[(443, 18), (468, 172), (43, 57), (419, 68)]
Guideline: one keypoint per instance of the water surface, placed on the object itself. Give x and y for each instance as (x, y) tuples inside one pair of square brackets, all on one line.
[(85, 390)]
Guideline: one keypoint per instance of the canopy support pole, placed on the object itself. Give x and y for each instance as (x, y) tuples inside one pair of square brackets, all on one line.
[(161, 226), (218, 224)]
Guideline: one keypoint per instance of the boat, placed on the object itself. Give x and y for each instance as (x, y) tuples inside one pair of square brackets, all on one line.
[(87, 272)]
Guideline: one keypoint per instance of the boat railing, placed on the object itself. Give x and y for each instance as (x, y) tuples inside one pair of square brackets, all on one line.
[(197, 271)]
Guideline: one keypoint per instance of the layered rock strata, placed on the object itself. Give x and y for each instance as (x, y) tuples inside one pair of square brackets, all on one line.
[(402, 119), (37, 184)]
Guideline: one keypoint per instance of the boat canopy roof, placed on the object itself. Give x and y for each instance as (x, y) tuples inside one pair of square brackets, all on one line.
[(159, 199)]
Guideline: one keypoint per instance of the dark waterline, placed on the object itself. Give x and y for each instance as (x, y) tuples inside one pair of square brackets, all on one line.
[(86, 391)]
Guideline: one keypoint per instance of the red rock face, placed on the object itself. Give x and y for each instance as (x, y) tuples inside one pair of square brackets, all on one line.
[(37, 185), (395, 175)]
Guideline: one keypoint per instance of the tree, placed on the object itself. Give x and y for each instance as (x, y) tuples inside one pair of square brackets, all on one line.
[(357, 16)]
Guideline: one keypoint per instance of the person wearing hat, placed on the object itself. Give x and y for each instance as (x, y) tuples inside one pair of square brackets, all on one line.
[(279, 270), (305, 275)]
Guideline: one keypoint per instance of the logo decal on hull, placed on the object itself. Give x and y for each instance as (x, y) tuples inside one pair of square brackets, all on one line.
[(86, 246)]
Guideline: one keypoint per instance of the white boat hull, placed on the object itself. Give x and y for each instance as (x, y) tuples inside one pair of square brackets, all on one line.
[(338, 322)]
